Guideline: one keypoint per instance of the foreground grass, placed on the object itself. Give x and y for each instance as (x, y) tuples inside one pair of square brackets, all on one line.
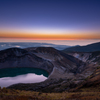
[(10, 94)]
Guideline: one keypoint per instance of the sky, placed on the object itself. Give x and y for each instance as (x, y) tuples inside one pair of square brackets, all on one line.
[(49, 20)]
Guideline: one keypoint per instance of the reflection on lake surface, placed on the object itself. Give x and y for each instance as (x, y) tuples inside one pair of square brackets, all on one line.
[(21, 75)]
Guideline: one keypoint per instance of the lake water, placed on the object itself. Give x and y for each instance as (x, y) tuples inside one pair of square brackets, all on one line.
[(11, 76)]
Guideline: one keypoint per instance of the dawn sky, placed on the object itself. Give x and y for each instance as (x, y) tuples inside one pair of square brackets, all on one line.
[(50, 19)]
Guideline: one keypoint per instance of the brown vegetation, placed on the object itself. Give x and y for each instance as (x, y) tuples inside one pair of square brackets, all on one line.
[(85, 94)]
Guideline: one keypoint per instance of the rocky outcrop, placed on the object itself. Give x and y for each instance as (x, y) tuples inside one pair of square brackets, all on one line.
[(66, 71), (16, 57), (57, 63), (88, 57), (65, 65), (91, 61)]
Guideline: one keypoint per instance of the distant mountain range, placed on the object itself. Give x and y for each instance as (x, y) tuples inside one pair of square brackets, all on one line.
[(88, 48), (6, 45)]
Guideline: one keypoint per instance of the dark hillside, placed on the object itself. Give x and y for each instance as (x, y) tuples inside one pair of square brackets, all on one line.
[(88, 48)]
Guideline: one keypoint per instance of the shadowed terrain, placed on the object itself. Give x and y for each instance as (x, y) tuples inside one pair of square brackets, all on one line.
[(66, 71), (88, 48)]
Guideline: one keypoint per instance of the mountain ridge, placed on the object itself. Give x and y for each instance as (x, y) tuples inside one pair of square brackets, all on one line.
[(16, 57), (65, 70), (88, 48)]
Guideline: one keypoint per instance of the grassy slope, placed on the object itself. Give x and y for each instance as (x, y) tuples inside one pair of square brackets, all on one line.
[(88, 90), (8, 94)]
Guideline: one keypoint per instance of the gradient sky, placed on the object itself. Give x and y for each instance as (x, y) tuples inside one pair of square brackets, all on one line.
[(50, 19)]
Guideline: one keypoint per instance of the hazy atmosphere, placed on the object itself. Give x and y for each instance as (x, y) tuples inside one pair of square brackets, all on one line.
[(33, 20), (49, 49)]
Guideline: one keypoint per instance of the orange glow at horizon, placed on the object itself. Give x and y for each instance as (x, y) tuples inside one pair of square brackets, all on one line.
[(38, 36)]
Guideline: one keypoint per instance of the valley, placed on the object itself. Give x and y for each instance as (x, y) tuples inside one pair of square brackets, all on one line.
[(68, 71)]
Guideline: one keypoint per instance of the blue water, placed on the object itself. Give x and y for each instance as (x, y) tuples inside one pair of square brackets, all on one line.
[(11, 76)]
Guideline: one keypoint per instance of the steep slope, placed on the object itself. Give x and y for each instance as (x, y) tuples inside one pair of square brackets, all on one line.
[(16, 57), (93, 80), (87, 57), (64, 65), (91, 83), (68, 72), (91, 60), (65, 70), (87, 48), (60, 64)]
